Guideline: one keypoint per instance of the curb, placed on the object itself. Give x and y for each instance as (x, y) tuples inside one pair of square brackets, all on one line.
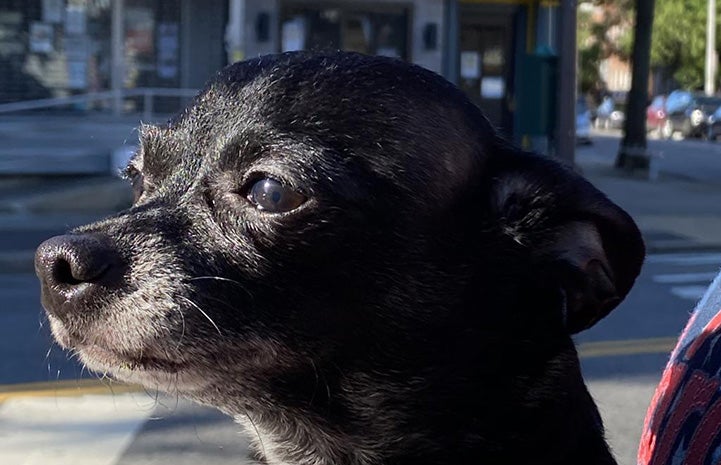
[(655, 345), (73, 388), (672, 246)]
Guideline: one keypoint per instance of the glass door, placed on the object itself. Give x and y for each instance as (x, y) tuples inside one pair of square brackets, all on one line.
[(485, 65)]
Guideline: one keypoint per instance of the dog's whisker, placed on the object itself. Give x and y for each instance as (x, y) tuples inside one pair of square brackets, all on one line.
[(41, 320), (182, 330), (202, 312), (177, 394), (257, 433), (221, 302), (154, 395), (222, 279), (317, 380)]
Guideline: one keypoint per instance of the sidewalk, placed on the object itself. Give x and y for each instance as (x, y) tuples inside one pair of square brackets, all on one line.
[(62, 144), (674, 213)]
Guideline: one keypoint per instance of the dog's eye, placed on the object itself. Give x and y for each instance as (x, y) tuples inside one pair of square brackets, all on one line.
[(271, 196)]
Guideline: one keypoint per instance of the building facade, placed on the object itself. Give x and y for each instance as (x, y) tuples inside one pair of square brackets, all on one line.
[(55, 48), (477, 44)]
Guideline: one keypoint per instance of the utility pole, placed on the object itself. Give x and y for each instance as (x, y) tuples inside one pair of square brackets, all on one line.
[(710, 83), (566, 118), (117, 54), (633, 152)]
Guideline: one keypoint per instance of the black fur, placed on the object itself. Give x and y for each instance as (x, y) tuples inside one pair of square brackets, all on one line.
[(416, 308)]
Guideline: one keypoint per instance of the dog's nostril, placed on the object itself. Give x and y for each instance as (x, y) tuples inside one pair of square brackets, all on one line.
[(63, 273), (73, 268), (71, 260)]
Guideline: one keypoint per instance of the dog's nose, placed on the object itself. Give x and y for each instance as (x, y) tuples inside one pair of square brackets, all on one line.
[(70, 267)]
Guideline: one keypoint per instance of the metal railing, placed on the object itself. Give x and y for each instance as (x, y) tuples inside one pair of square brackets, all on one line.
[(148, 95)]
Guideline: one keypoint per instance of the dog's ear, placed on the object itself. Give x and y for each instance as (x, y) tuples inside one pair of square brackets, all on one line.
[(577, 239)]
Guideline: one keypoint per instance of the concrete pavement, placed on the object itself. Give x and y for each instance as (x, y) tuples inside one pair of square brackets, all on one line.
[(676, 211), (62, 144)]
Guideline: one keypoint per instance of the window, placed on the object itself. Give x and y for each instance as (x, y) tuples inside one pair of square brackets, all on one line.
[(380, 30)]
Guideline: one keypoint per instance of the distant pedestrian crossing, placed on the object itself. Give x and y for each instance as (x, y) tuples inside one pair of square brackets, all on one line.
[(686, 275)]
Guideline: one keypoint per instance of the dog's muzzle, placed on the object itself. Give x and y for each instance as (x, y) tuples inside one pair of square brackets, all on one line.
[(73, 269)]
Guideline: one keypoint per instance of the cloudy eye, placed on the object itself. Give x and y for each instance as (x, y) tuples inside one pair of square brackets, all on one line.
[(271, 196)]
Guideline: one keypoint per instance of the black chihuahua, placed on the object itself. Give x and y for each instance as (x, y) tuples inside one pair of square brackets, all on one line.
[(341, 252)]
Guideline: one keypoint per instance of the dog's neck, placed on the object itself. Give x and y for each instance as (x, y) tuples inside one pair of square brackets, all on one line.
[(368, 421)]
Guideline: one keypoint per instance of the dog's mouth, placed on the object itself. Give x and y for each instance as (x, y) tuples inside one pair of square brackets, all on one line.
[(105, 351), (95, 357)]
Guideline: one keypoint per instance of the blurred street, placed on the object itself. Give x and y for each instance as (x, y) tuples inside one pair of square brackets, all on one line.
[(41, 391)]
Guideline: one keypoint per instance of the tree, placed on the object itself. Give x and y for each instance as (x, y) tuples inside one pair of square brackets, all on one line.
[(604, 28), (632, 153), (589, 54), (679, 40)]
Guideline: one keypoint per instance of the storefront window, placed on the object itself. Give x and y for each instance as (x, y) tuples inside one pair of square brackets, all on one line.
[(55, 48), (151, 43), (51, 48), (380, 30)]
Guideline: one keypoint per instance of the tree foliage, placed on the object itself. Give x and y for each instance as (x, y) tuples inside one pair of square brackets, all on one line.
[(589, 54), (679, 40), (602, 31)]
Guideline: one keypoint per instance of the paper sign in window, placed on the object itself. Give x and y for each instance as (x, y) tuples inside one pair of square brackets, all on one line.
[(470, 65), (493, 87)]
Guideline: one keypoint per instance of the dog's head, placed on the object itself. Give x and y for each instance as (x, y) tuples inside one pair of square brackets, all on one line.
[(329, 217)]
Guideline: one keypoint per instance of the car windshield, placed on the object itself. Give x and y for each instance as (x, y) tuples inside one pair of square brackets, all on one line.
[(709, 104), (677, 100), (658, 102)]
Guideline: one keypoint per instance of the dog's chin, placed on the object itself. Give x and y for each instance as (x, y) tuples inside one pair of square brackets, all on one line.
[(150, 372), (144, 367)]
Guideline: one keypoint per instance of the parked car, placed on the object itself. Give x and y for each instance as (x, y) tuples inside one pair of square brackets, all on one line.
[(688, 113), (610, 114), (714, 125), (583, 122), (656, 116)]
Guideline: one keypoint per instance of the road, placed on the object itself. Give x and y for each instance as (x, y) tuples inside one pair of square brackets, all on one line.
[(692, 159)]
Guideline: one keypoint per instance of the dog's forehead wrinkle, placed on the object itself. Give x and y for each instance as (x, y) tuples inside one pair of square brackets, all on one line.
[(257, 100)]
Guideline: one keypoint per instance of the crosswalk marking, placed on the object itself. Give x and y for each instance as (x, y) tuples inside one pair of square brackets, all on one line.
[(679, 278), (686, 259), (689, 292), (85, 430), (691, 285)]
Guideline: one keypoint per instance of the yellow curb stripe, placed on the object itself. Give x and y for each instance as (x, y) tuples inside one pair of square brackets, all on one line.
[(65, 389), (657, 345)]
